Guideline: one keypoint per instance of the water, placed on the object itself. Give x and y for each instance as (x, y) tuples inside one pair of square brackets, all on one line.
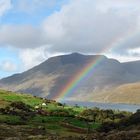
[(122, 107)]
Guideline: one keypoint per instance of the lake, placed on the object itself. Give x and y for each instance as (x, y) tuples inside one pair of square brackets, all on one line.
[(122, 107)]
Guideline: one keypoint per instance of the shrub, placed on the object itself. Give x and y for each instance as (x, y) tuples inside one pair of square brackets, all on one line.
[(21, 106)]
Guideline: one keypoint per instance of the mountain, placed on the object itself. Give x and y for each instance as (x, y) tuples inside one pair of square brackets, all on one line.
[(48, 78)]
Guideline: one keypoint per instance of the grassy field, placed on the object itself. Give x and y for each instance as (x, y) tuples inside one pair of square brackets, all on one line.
[(32, 117), (8, 96), (54, 123)]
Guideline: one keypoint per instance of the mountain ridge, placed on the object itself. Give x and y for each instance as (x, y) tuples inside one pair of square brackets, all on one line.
[(47, 78)]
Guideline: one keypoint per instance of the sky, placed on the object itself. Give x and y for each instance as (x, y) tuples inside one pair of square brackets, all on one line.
[(33, 30)]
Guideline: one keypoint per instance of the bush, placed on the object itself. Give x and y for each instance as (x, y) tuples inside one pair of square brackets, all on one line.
[(21, 106)]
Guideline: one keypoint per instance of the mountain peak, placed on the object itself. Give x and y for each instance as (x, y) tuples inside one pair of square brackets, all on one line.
[(77, 58), (75, 53)]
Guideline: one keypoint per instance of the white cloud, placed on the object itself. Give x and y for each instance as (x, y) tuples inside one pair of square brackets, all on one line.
[(32, 57), (8, 66), (134, 52), (124, 58), (5, 5)]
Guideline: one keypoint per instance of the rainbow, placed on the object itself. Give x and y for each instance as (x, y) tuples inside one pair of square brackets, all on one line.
[(75, 80)]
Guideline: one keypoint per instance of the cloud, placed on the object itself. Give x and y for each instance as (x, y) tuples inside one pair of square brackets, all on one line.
[(31, 6), (25, 36), (8, 66), (32, 57), (85, 26), (124, 58), (5, 5), (79, 26), (134, 52)]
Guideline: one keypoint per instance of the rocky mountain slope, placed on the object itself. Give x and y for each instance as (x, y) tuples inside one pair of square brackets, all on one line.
[(48, 78)]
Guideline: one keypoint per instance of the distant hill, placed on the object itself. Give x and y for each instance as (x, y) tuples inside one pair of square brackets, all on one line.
[(126, 93), (48, 78)]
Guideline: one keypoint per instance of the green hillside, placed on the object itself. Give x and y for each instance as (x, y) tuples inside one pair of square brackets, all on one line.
[(30, 113), (29, 117)]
